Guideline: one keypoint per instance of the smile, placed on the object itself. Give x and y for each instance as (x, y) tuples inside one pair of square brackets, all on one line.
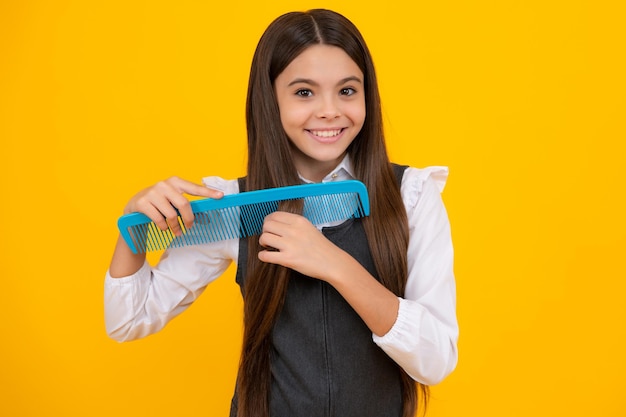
[(326, 133)]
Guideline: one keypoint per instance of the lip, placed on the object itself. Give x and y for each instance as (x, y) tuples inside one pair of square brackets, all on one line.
[(326, 139)]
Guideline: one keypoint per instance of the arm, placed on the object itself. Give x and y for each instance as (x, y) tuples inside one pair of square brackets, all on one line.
[(139, 299), (143, 303), (424, 337), (418, 331), (159, 203), (299, 245)]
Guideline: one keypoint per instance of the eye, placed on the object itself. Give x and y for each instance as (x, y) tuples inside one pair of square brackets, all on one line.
[(303, 92), (348, 91)]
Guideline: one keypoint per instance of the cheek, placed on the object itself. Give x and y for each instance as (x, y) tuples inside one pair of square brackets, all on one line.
[(357, 115), (356, 110), (363, 114), (293, 116)]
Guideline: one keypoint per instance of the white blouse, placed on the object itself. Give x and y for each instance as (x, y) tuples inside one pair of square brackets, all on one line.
[(423, 340)]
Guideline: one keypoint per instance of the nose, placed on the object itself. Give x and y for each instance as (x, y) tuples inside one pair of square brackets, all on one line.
[(329, 108)]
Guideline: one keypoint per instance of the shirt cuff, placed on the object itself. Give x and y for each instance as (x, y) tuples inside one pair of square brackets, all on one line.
[(403, 329)]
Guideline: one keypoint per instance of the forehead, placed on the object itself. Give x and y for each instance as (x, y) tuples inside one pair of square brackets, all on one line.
[(322, 62)]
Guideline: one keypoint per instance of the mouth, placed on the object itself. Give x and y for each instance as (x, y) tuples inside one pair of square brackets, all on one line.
[(326, 135)]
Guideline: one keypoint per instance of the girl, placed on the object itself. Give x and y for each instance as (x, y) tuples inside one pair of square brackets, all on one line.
[(347, 319)]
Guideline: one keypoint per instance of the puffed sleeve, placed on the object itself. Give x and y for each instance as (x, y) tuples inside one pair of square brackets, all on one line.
[(143, 303), (423, 340)]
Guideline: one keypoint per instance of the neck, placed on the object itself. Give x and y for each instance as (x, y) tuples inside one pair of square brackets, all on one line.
[(316, 171)]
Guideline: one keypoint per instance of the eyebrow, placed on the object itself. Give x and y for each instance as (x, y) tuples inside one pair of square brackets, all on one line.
[(315, 84)]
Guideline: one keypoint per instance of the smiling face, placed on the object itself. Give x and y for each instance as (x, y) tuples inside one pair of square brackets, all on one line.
[(321, 99)]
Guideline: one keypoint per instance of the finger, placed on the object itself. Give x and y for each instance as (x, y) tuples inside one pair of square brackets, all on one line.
[(270, 241), (170, 194), (269, 256), (183, 207), (174, 192), (194, 189), (162, 208), (157, 217), (282, 217), (170, 214), (278, 223), (154, 205)]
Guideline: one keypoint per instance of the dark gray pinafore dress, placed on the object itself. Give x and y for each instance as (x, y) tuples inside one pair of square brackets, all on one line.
[(323, 360)]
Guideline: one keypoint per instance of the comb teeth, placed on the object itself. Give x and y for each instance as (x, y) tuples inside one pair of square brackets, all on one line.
[(242, 215)]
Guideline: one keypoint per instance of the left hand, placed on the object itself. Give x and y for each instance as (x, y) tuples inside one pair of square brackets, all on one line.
[(294, 242)]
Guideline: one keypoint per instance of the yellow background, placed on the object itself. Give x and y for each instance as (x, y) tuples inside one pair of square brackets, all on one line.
[(523, 100)]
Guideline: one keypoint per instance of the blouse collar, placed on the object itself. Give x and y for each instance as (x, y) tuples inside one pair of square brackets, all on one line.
[(343, 171)]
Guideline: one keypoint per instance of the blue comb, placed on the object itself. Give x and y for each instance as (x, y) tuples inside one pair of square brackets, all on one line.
[(241, 215)]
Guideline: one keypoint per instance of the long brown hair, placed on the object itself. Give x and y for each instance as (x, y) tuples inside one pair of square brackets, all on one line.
[(270, 165)]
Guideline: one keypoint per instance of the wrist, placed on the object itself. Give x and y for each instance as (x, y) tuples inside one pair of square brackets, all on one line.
[(342, 268)]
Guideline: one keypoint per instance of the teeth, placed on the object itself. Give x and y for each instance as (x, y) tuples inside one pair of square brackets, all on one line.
[(326, 133)]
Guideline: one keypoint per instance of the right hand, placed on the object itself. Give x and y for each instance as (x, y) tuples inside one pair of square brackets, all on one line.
[(160, 202)]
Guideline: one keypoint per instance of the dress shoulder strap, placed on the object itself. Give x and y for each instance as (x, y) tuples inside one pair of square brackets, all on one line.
[(399, 171)]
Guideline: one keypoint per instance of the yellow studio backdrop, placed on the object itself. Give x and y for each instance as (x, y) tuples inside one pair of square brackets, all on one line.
[(524, 101)]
